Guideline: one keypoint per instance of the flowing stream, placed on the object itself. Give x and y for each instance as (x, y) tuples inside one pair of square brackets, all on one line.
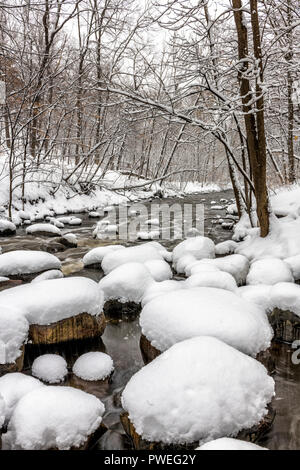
[(121, 338)]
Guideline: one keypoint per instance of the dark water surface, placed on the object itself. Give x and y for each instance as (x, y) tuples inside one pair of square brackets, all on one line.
[(121, 338)]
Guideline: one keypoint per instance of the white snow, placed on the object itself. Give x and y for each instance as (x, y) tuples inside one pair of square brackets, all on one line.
[(198, 390), (258, 294), (220, 280), (50, 368), (13, 387), (43, 228), (71, 238), (53, 300), (2, 411), (294, 263), (96, 255), (236, 265), (228, 443), (159, 288), (159, 269), (52, 274), (286, 297), (126, 283), (226, 248), (186, 313), (151, 235), (7, 225), (140, 253), (75, 221), (13, 333), (27, 262), (269, 271), (93, 366), (195, 248), (53, 417)]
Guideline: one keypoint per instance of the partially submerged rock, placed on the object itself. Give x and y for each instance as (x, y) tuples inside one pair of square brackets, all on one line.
[(7, 228), (59, 310), (25, 265), (186, 313), (192, 392), (43, 230), (94, 366), (54, 418)]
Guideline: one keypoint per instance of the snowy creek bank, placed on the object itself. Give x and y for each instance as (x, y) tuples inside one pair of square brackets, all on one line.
[(122, 334)]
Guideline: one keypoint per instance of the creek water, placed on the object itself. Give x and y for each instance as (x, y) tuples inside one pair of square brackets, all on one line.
[(121, 338)]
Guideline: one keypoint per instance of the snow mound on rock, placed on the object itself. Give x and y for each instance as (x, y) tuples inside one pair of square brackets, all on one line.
[(53, 300), (183, 314), (286, 297), (159, 269), (53, 417), (236, 265), (126, 283), (47, 275), (93, 366), (228, 443), (13, 387), (198, 390), (192, 249), (13, 333), (259, 294), (226, 248), (220, 280), (46, 228), (159, 288), (269, 271), (96, 255), (27, 262), (50, 368), (7, 225), (133, 254)]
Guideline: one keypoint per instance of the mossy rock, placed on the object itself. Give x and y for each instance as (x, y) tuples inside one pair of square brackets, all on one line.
[(78, 327), (14, 366)]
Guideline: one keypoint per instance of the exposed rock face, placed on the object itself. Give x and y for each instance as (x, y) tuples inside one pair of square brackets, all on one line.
[(114, 310), (286, 325), (148, 351), (79, 327)]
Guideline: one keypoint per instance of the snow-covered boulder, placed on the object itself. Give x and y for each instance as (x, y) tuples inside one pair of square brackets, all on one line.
[(150, 235), (126, 283), (186, 313), (69, 240), (160, 288), (7, 228), (236, 265), (13, 387), (226, 248), (140, 254), (195, 248), (228, 443), (93, 366), (50, 307), (285, 296), (269, 271), (220, 280), (198, 390), (53, 418), (50, 368), (94, 215), (159, 269), (75, 221), (259, 294), (96, 255), (294, 264), (13, 334), (46, 230), (23, 264), (47, 275)]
